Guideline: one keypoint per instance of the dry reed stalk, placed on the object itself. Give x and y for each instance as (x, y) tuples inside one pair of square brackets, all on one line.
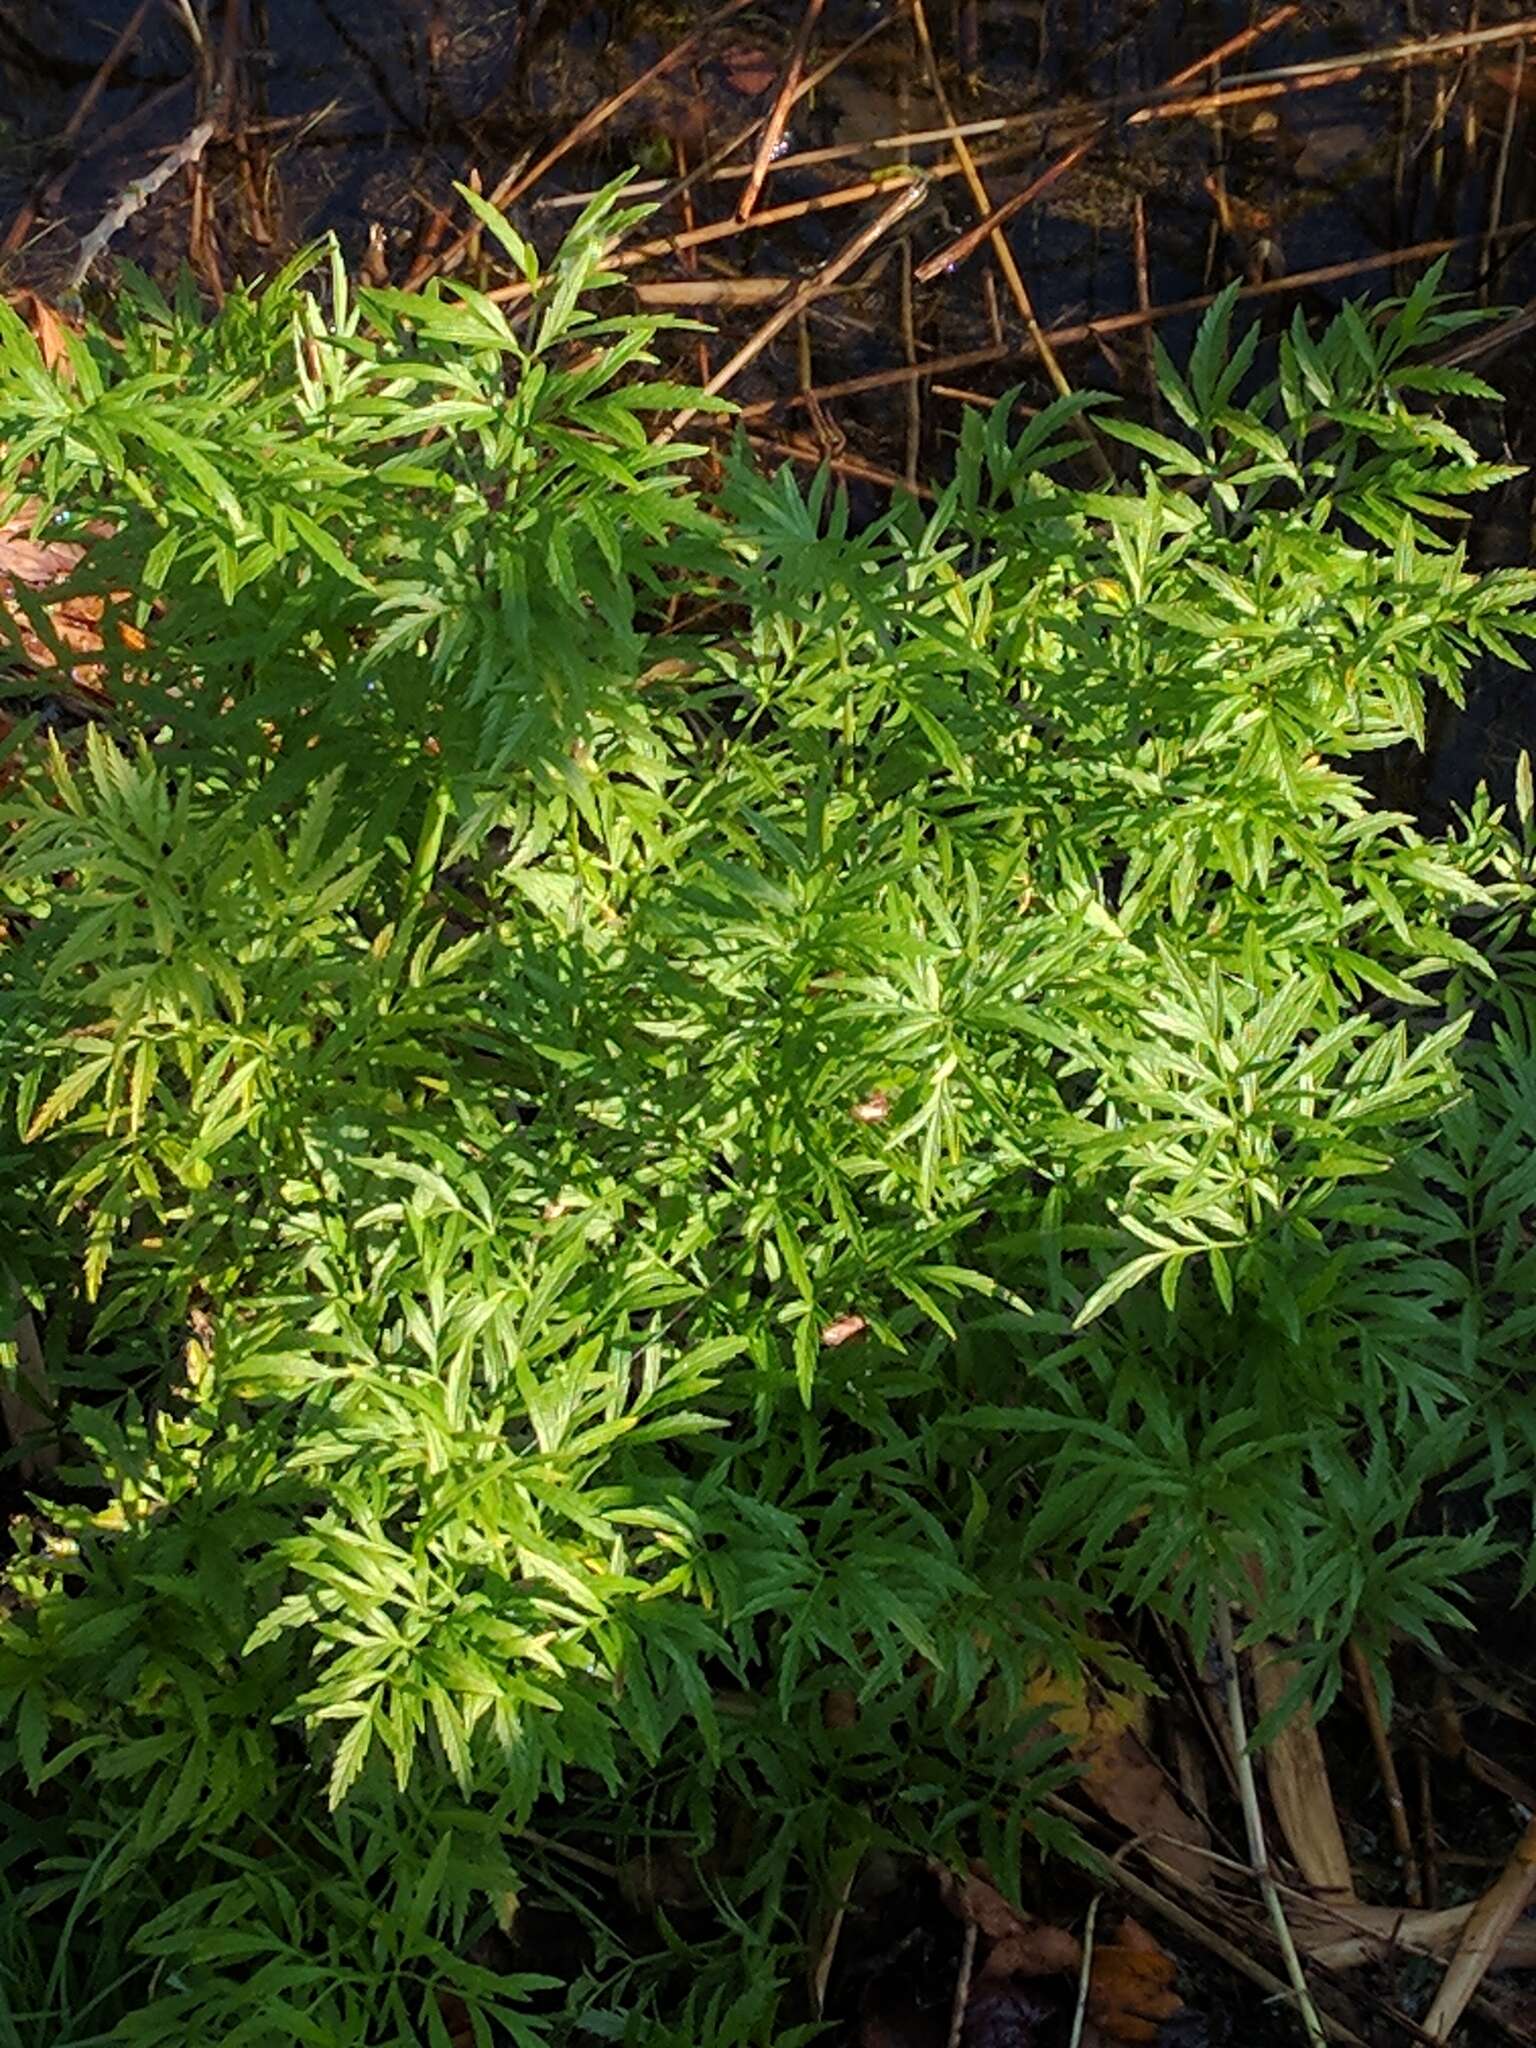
[(878, 380), (822, 281), (778, 113), (1386, 1765), (1270, 287), (27, 213), (1339, 70), (515, 183), (964, 245)]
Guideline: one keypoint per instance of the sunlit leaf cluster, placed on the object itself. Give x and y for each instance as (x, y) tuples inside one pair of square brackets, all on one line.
[(662, 1143)]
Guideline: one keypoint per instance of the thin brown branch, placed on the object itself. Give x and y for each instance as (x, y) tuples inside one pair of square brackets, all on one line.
[(1271, 287), (958, 250), (822, 281), (878, 380), (909, 346), (1002, 254), (1340, 70), (27, 213), (773, 128), (662, 246), (515, 183), (1386, 1765), (851, 466), (1143, 267), (955, 252)]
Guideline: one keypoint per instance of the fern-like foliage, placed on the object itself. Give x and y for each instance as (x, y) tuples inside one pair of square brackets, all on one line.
[(659, 1141)]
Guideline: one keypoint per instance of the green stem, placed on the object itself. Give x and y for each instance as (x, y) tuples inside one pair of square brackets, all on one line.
[(429, 846)]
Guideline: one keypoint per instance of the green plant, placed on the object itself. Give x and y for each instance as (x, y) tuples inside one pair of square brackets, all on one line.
[(637, 1115)]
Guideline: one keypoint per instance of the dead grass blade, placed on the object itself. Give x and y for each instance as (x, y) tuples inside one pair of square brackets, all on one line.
[(1253, 1824), (1386, 1764)]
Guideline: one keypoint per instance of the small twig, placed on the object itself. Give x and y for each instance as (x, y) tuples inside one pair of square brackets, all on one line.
[(1253, 1823), (962, 1997), (1084, 1974), (136, 197), (1429, 1861), (909, 197), (1386, 1764), (1339, 70), (958, 250), (877, 380), (1491, 340), (662, 246), (1143, 268), (515, 183), (1003, 254), (183, 11), (1271, 287), (28, 211), (955, 252), (909, 346), (850, 466), (778, 113), (1506, 138)]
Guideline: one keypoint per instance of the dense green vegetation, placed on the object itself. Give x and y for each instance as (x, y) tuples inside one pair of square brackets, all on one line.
[(624, 1111)]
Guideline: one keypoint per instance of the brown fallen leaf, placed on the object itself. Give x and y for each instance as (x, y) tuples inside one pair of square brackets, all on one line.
[(1022, 1945), (1130, 1986), (52, 331), (76, 622), (1040, 1950), (749, 69), (1119, 1774)]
